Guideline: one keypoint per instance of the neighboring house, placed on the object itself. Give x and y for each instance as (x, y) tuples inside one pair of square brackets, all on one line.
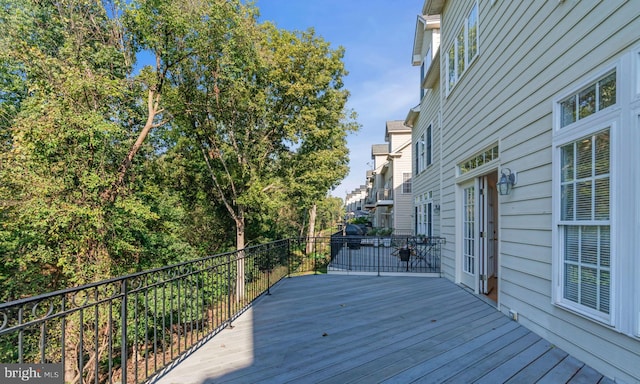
[(390, 195), (354, 202), (424, 120), (548, 91)]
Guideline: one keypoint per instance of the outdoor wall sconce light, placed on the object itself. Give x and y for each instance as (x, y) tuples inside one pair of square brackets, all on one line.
[(507, 181), (436, 209)]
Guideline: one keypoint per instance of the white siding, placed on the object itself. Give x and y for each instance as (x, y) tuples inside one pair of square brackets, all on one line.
[(529, 52)]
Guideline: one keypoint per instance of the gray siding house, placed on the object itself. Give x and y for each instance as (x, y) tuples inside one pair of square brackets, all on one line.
[(424, 121), (390, 182), (542, 97)]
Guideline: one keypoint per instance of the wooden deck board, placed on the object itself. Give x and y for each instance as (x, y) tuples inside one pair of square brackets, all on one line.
[(368, 329), (536, 369), (563, 372)]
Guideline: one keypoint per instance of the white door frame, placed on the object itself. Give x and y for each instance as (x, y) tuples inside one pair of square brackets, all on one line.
[(467, 234), (476, 180)]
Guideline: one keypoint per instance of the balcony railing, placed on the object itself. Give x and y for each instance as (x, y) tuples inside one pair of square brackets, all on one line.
[(127, 329), (131, 328), (397, 253), (384, 194)]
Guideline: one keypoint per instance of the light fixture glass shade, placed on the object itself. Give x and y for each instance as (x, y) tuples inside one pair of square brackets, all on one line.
[(504, 187), (506, 183)]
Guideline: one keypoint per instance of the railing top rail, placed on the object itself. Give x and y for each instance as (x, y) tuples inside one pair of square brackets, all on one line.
[(95, 284)]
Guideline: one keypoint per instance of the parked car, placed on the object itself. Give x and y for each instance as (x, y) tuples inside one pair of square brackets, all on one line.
[(354, 234)]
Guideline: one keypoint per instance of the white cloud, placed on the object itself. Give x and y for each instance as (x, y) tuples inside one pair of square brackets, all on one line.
[(377, 100)]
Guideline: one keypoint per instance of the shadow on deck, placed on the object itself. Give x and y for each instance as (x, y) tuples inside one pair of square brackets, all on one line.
[(368, 329)]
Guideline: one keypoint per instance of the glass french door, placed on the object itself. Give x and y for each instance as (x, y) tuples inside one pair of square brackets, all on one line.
[(469, 236), (479, 234)]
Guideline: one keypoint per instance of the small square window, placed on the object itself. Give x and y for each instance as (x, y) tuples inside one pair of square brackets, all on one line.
[(607, 87), (568, 111), (587, 100)]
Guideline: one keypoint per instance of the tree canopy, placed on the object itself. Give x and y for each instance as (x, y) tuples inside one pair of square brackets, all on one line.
[(229, 136)]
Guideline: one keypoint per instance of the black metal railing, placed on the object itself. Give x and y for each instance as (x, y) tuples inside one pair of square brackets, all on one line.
[(379, 254), (128, 329)]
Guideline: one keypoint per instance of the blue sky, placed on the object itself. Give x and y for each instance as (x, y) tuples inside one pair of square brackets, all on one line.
[(378, 38)]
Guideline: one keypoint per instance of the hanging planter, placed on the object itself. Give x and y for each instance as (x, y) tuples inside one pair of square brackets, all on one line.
[(404, 253)]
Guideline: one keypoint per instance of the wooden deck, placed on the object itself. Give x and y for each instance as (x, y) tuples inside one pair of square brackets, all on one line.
[(369, 329)]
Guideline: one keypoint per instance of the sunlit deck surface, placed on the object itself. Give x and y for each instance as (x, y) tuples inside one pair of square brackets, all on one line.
[(369, 329)]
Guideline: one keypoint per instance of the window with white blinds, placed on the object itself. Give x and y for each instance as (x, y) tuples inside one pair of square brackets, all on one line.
[(592, 192), (584, 222)]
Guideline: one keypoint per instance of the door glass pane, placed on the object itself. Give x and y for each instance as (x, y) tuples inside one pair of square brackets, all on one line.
[(468, 210)]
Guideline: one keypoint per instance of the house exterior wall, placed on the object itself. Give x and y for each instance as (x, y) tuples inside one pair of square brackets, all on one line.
[(402, 201), (426, 177), (399, 164), (377, 189), (529, 54)]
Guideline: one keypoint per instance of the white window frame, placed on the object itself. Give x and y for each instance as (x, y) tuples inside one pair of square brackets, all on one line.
[(582, 131), (424, 208), (428, 219), (635, 271), (407, 181), (424, 68), (623, 121), (469, 239), (453, 79), (428, 136), (421, 145)]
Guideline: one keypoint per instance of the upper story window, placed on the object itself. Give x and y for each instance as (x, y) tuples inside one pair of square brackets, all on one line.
[(420, 154), (464, 49), (424, 68), (424, 151), (428, 159), (589, 100), (406, 182)]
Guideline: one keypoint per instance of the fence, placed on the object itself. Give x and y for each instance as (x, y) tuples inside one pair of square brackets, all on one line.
[(397, 253), (127, 329)]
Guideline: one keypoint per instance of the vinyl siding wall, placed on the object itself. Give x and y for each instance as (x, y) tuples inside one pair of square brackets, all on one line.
[(529, 52), (402, 202), (429, 178)]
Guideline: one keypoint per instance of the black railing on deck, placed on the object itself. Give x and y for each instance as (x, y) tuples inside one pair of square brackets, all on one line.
[(379, 254), (128, 329), (131, 328)]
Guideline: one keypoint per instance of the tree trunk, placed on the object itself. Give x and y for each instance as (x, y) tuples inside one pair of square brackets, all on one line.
[(153, 109), (312, 227), (240, 255)]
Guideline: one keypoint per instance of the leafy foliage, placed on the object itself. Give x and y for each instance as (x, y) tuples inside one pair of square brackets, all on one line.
[(107, 167)]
